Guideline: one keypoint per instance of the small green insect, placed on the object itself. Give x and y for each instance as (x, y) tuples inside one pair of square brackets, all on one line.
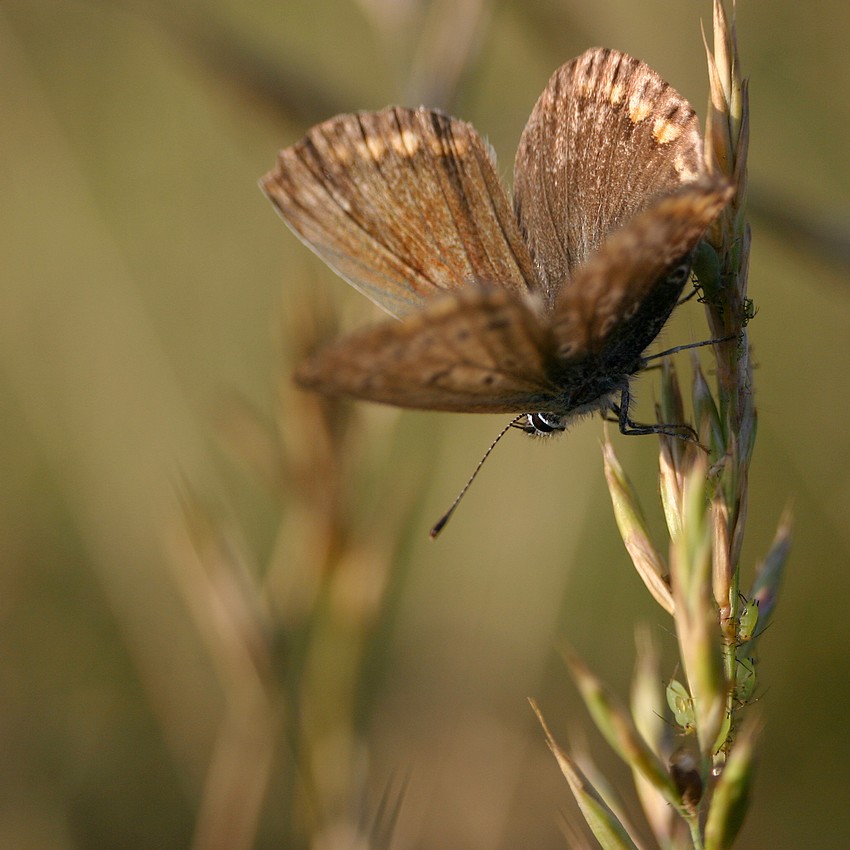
[(682, 705), (748, 621)]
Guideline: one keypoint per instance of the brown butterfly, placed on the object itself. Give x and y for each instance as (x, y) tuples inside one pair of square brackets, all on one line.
[(543, 309)]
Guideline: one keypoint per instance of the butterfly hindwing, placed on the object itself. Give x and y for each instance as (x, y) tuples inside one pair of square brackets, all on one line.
[(404, 204), (480, 351)]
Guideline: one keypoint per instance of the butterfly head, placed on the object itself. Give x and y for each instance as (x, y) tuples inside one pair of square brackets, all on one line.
[(542, 424)]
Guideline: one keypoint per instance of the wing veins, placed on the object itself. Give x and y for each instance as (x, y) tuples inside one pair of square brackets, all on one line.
[(435, 175), (493, 257), (452, 174), (324, 182), (388, 190)]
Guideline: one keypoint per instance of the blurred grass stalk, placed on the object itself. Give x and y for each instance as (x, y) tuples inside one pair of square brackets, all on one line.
[(288, 639), (694, 792)]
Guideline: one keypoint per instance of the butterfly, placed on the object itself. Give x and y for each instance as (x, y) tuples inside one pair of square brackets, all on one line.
[(543, 306)]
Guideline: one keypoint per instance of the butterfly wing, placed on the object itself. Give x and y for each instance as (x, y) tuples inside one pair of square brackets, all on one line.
[(480, 351), (403, 204), (618, 301), (606, 138)]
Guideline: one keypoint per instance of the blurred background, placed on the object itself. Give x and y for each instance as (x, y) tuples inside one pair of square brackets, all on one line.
[(222, 623)]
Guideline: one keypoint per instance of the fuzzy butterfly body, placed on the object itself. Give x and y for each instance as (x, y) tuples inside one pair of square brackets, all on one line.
[(544, 306)]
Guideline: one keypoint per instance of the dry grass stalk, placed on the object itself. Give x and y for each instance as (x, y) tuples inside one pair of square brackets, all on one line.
[(705, 775)]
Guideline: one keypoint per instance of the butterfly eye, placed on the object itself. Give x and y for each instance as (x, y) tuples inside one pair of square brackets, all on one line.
[(544, 424)]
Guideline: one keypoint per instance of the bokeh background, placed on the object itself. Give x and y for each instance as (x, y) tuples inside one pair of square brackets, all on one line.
[(221, 621)]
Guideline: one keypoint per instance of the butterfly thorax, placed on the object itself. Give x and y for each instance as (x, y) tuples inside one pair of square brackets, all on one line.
[(586, 388), (593, 383)]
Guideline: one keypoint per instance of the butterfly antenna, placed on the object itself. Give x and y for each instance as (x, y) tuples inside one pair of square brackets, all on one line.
[(441, 523)]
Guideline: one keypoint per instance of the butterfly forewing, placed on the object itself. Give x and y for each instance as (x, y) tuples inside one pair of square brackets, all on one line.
[(480, 351), (606, 138), (404, 204), (618, 301)]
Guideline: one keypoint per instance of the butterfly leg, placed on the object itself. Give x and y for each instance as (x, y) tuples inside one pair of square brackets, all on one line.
[(686, 298), (629, 426), (678, 348)]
